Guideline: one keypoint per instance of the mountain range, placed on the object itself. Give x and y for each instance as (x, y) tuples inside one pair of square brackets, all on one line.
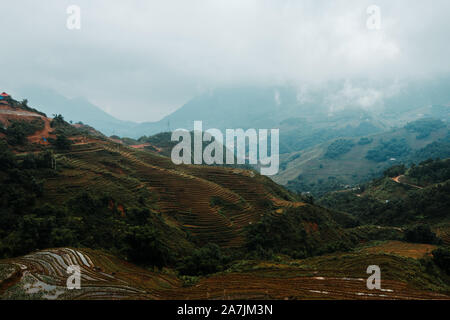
[(339, 108)]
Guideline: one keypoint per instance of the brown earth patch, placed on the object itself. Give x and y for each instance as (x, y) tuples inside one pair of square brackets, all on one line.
[(404, 249)]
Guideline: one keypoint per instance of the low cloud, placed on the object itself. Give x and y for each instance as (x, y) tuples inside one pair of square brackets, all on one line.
[(140, 60)]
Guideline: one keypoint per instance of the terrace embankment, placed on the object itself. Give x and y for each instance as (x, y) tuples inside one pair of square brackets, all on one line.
[(42, 275)]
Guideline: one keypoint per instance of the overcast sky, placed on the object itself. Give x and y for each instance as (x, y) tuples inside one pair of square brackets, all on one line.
[(140, 60)]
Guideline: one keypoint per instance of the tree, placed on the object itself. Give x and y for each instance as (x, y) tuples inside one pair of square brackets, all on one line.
[(62, 142), (206, 260), (145, 246), (338, 148), (58, 120), (19, 130), (441, 257), (395, 171), (421, 234)]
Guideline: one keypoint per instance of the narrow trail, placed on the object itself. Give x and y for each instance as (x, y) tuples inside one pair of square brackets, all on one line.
[(397, 179), (21, 113)]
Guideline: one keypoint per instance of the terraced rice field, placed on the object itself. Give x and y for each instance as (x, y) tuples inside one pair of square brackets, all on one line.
[(251, 286), (404, 249), (183, 193), (42, 275)]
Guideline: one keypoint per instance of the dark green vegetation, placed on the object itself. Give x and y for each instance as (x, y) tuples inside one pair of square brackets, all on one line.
[(339, 147), (441, 257), (281, 234), (62, 142), (62, 128), (388, 149), (384, 201), (429, 172), (424, 127), (437, 149), (205, 260), (161, 140), (395, 171), (18, 131), (421, 234)]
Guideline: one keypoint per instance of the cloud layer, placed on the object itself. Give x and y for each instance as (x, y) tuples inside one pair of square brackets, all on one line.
[(140, 60)]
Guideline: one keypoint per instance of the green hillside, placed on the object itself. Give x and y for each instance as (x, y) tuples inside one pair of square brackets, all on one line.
[(344, 163), (403, 197)]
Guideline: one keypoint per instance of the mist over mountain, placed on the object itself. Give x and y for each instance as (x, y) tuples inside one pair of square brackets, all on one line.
[(145, 67), (74, 109), (371, 106)]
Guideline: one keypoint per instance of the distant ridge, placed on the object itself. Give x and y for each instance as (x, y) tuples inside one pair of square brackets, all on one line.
[(75, 110)]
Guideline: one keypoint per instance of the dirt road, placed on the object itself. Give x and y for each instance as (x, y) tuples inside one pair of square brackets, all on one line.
[(397, 179)]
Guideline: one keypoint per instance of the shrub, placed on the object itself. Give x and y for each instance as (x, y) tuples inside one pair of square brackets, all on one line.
[(421, 234), (206, 260), (395, 171), (441, 258), (18, 131), (62, 142), (424, 127), (388, 149), (145, 246), (58, 120), (364, 141), (338, 148)]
